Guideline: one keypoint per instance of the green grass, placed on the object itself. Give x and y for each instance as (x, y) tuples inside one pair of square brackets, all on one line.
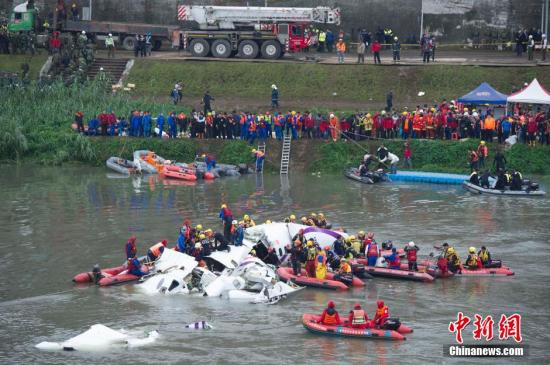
[(313, 84), (431, 155), (12, 63)]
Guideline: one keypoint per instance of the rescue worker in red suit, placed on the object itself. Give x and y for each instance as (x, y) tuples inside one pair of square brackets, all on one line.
[(371, 250), (330, 316), (382, 314), (130, 248), (411, 251), (358, 318), (311, 254), (156, 250)]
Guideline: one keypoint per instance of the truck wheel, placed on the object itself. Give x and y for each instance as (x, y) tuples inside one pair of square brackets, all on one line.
[(199, 47), (157, 44), (129, 43), (221, 48), (271, 50), (248, 49)]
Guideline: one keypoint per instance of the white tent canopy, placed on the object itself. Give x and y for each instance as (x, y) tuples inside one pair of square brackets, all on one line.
[(532, 94)]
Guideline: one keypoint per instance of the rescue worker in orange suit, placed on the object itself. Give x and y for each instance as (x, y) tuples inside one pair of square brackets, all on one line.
[(330, 316), (131, 249), (358, 318), (344, 273), (371, 250), (259, 156), (382, 314), (311, 255), (156, 250), (411, 251), (334, 127)]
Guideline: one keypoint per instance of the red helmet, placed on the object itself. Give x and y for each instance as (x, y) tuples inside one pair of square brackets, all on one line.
[(330, 304), (380, 303), (370, 235), (357, 306), (270, 249), (164, 243), (301, 231), (132, 239), (327, 248)]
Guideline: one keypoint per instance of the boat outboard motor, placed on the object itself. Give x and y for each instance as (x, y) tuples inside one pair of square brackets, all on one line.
[(96, 274), (533, 186), (391, 324)]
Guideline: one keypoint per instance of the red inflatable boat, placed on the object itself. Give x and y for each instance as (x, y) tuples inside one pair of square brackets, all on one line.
[(403, 273), (310, 323), (432, 269), (110, 276), (173, 174), (286, 274)]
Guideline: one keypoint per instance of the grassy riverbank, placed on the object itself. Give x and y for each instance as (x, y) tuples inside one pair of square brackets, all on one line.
[(12, 63), (342, 87)]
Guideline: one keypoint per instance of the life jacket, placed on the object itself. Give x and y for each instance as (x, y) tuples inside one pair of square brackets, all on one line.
[(372, 250), (242, 120), (396, 261), (311, 253), (382, 312), (259, 154), (473, 260), (155, 249), (411, 255), (484, 256), (277, 121), (329, 319), (358, 317), (345, 268), (252, 127)]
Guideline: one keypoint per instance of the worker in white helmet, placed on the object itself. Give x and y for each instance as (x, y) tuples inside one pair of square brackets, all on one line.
[(411, 249), (110, 45), (274, 96)]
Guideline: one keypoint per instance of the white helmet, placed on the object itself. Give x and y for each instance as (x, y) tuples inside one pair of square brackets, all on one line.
[(234, 221), (465, 114), (110, 34), (332, 115), (83, 32), (101, 69), (198, 245), (474, 114), (411, 244), (274, 86), (395, 38)]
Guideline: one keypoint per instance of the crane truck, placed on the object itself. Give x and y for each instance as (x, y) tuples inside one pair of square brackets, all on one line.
[(249, 32)]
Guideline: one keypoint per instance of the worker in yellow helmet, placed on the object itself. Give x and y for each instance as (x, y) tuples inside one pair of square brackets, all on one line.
[(247, 221)]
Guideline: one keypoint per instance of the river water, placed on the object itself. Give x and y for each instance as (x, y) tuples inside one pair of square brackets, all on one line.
[(57, 222)]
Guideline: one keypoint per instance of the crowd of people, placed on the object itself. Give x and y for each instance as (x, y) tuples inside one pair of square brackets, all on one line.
[(446, 120)]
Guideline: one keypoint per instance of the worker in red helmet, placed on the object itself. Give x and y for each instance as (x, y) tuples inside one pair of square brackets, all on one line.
[(358, 318), (382, 314), (330, 316), (156, 250)]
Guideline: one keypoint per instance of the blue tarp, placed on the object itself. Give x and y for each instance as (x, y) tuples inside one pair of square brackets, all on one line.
[(484, 94)]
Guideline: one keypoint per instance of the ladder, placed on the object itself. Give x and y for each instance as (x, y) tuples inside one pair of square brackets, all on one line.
[(261, 147), (285, 155)]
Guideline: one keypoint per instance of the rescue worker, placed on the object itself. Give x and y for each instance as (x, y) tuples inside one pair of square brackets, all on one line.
[(259, 156), (396, 49), (130, 248), (197, 252), (382, 314), (300, 236), (321, 265), (248, 222), (110, 45), (321, 221), (311, 255), (474, 178), (393, 260), (482, 153), (274, 96), (411, 251), (197, 231), (134, 267), (484, 256), (304, 221), (358, 318), (355, 245), (330, 316), (237, 233), (517, 181), (453, 261), (156, 250), (338, 246), (344, 273), (371, 251), (296, 252), (181, 243), (472, 261), (340, 50), (226, 215), (473, 159), (271, 258)]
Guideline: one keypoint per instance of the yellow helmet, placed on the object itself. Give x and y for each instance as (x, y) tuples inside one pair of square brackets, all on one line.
[(209, 113), (309, 243), (472, 250), (253, 150), (303, 219), (321, 215), (313, 215), (199, 227), (253, 252), (224, 206), (450, 250), (209, 230), (369, 115), (465, 109), (405, 113), (351, 238), (293, 112), (203, 155), (202, 236), (482, 142), (361, 233), (246, 217), (292, 216), (268, 222)]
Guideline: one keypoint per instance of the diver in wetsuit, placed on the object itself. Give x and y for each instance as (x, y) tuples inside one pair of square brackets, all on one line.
[(484, 181), (501, 181), (474, 178), (517, 181), (499, 161)]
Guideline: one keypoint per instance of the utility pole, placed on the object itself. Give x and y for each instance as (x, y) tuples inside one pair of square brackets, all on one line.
[(421, 20), (547, 20)]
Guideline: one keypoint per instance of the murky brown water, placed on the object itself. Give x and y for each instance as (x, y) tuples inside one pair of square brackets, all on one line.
[(57, 222)]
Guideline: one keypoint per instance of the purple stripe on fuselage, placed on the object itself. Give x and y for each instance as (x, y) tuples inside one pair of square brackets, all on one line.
[(322, 230)]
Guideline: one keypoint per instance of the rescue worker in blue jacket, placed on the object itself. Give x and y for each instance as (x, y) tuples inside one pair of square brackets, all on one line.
[(172, 129), (338, 246), (134, 267), (160, 124)]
